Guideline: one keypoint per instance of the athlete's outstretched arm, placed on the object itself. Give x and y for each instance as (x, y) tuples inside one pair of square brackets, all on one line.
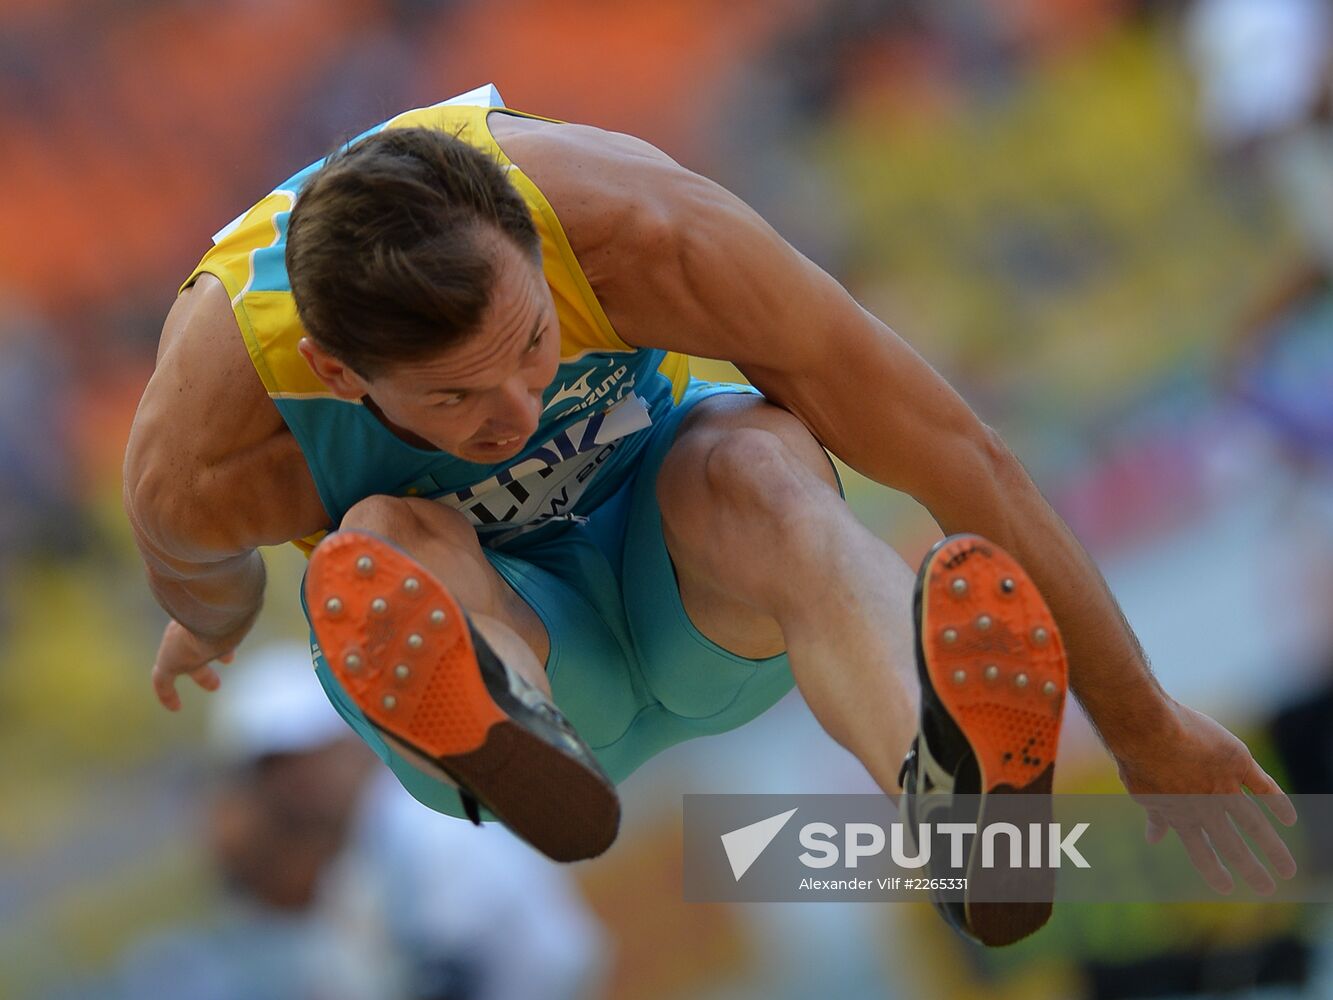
[(680, 263), (206, 473)]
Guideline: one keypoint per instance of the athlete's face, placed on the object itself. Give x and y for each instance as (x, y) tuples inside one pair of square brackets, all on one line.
[(481, 399)]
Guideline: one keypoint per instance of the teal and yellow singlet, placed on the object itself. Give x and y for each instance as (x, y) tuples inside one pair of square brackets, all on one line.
[(585, 443), (626, 664)]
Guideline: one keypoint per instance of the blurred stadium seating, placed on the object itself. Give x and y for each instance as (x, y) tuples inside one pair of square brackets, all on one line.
[(1022, 189)]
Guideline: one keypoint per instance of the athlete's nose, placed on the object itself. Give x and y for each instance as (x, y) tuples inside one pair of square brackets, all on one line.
[(520, 408)]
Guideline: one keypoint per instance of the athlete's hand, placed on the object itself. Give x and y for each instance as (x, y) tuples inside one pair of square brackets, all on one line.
[(183, 652), (1209, 769)]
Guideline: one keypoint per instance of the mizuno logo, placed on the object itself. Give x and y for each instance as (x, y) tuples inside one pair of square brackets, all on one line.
[(589, 394), (578, 390)]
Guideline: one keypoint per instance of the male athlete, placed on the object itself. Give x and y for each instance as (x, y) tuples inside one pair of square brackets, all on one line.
[(455, 353)]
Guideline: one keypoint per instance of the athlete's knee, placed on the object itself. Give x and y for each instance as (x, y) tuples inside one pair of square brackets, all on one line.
[(386, 516), (757, 470), (443, 541), (378, 514), (739, 501), (406, 520)]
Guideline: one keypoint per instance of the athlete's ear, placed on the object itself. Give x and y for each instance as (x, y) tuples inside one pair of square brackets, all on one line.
[(343, 380)]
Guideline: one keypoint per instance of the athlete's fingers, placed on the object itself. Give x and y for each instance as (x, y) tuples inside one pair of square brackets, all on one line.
[(164, 682), (1204, 859), (1251, 819), (1229, 844), (206, 677), (164, 685), (1260, 782)]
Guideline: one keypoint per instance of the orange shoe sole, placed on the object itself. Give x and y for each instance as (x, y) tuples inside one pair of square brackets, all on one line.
[(399, 645), (990, 651), (404, 651), (996, 661)]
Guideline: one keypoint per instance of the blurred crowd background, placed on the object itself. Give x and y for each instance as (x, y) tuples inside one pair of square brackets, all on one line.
[(1109, 223)]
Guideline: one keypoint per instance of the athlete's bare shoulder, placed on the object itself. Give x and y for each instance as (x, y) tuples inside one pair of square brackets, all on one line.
[(680, 263), (620, 201), (211, 468), (589, 175)]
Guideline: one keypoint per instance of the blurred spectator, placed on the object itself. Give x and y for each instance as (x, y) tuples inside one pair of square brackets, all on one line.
[(343, 887), (1266, 95), (40, 513), (1262, 66), (1266, 100)]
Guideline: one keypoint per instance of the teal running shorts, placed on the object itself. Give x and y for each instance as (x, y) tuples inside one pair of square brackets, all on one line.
[(627, 667)]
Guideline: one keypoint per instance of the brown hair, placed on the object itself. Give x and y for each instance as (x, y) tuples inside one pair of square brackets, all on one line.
[(389, 246)]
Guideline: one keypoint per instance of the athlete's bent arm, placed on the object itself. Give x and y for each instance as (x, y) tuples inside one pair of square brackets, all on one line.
[(208, 478), (875, 403), (680, 263)]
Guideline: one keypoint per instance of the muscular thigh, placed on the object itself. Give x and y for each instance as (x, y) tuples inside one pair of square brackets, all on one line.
[(739, 465)]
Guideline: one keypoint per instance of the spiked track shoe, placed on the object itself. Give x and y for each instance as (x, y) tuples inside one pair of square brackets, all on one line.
[(993, 684), (406, 653)]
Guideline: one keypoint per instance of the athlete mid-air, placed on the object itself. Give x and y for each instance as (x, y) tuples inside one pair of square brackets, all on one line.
[(451, 361)]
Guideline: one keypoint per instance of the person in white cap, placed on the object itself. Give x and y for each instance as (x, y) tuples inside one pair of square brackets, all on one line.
[(343, 888)]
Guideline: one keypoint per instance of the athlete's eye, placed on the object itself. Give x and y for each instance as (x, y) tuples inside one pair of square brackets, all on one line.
[(453, 399), (536, 342)]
